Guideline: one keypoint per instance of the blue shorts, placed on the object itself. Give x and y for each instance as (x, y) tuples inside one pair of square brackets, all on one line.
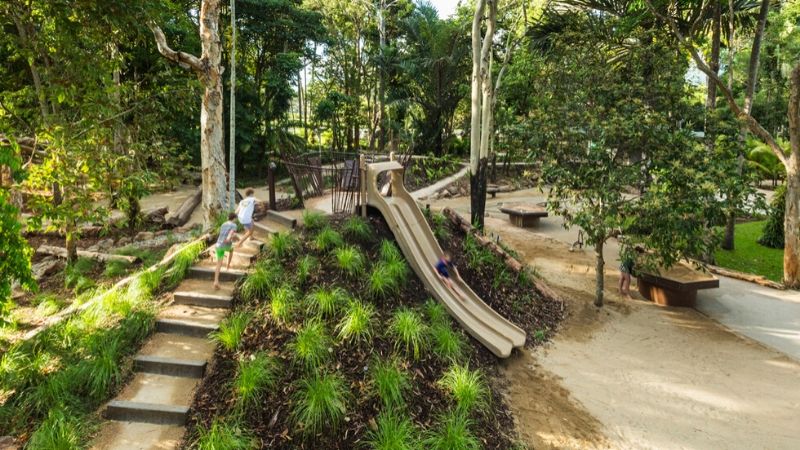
[(442, 270), (248, 226)]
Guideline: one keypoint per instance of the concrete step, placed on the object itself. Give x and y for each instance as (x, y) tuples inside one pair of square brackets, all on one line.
[(253, 244), (189, 320), (202, 293), (146, 412), (176, 346), (281, 219), (189, 368), (116, 435), (185, 328), (203, 271)]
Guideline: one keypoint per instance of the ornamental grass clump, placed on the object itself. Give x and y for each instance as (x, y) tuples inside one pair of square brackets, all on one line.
[(319, 402), (230, 332), (283, 244), (328, 239), (410, 331), (357, 229), (281, 304), (325, 303), (448, 344), (389, 252), (314, 220), (356, 325), (60, 430), (350, 261), (306, 267), (224, 435), (394, 432), (467, 387), (255, 376), (435, 312), (453, 433), (258, 284), (390, 382), (311, 346)]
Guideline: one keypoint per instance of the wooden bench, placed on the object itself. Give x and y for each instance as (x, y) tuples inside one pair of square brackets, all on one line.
[(493, 189), (524, 215), (676, 286)]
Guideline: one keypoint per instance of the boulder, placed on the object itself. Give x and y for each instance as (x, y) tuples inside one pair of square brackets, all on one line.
[(144, 236), (123, 241), (105, 244)]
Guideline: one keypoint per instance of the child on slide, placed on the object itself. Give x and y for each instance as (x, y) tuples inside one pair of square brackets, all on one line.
[(245, 215), (443, 267), (224, 245)]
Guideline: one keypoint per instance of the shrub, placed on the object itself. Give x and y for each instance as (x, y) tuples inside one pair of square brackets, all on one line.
[(282, 303), (453, 433), (314, 220), (320, 400), (389, 252), (436, 312), (409, 329), (224, 435), (773, 234), (230, 332), (258, 284), (311, 345), (356, 325), (358, 229), (254, 377), (394, 432), (325, 302), (447, 344), (466, 386), (305, 267), (390, 382), (328, 239), (284, 244), (350, 261)]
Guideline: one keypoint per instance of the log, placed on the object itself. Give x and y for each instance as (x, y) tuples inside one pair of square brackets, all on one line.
[(155, 215), (61, 252), (757, 279), (184, 212)]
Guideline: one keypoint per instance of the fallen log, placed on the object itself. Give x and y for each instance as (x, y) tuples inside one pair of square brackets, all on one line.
[(61, 252), (184, 212), (155, 215)]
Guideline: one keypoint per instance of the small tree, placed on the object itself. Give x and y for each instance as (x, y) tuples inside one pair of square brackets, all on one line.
[(772, 235)]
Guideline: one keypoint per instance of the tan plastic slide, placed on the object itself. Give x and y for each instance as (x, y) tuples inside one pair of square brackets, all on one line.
[(422, 251)]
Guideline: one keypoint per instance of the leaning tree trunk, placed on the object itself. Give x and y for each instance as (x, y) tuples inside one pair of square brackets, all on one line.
[(791, 224), (600, 275)]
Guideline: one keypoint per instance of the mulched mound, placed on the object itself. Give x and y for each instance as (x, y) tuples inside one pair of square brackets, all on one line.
[(272, 422)]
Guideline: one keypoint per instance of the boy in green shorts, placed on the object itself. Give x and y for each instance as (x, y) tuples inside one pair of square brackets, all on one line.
[(225, 245)]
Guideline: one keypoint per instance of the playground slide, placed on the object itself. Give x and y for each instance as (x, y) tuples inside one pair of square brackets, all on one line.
[(422, 252)]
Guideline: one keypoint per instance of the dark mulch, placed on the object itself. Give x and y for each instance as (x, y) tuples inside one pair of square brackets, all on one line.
[(272, 422)]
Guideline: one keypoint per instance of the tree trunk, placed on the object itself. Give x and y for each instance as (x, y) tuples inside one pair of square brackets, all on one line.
[(600, 273), (477, 186), (711, 98), (791, 224), (71, 246), (730, 227)]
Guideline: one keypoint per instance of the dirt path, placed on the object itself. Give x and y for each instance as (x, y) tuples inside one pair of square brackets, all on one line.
[(634, 375)]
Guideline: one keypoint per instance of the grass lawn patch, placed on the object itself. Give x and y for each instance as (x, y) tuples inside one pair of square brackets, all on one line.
[(751, 257)]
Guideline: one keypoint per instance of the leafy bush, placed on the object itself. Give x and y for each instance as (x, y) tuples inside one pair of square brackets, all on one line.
[(305, 267), (356, 325), (258, 284), (447, 344), (284, 244), (453, 433), (410, 331), (311, 345), (282, 303), (314, 220), (319, 401), (357, 229), (390, 382), (773, 234), (230, 332), (325, 302), (466, 386), (350, 260), (394, 432), (254, 377), (328, 239), (224, 435)]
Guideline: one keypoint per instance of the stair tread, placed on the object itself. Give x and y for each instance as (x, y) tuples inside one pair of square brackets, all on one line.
[(193, 314), (124, 435), (167, 345), (163, 390), (197, 287)]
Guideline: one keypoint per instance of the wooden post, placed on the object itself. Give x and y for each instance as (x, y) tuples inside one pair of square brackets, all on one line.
[(271, 184), (362, 178)]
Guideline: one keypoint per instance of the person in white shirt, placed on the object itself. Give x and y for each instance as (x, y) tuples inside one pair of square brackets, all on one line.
[(245, 213)]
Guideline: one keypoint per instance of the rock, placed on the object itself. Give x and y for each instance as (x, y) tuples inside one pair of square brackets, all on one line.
[(143, 236), (161, 233), (123, 241), (105, 244), (93, 248), (7, 443), (46, 267), (452, 190)]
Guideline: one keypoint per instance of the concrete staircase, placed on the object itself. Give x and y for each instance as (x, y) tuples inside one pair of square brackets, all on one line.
[(152, 410)]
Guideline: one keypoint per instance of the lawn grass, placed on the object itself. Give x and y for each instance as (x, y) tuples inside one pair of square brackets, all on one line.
[(750, 256)]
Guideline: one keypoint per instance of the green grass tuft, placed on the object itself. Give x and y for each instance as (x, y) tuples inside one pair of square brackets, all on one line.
[(453, 433), (306, 268), (284, 245), (261, 281), (311, 345), (436, 312), (314, 220), (230, 332), (255, 376), (328, 239), (356, 325), (325, 303), (447, 343), (319, 402), (390, 382), (751, 257), (350, 260), (116, 268), (389, 252), (59, 431), (225, 435), (282, 303), (357, 229), (395, 432), (467, 387), (410, 331)]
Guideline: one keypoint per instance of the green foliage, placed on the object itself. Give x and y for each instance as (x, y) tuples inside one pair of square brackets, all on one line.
[(320, 402), (387, 278), (440, 229), (447, 344), (148, 256), (436, 313), (467, 387), (305, 268), (284, 245), (328, 239), (59, 431), (225, 435), (261, 280), (116, 268), (325, 302), (773, 235), (350, 260), (181, 264), (230, 332), (453, 433), (75, 275), (389, 252), (311, 346), (357, 229), (395, 432), (750, 256), (390, 382), (47, 304), (356, 325), (314, 220), (103, 370), (255, 376), (282, 303), (410, 331)]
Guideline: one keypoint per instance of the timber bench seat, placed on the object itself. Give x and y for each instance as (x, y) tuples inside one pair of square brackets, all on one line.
[(676, 286), (493, 189), (524, 215)]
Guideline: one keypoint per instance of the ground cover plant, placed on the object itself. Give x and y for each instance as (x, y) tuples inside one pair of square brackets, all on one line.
[(351, 366), (751, 257)]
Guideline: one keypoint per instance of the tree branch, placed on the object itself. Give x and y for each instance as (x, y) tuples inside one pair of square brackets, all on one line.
[(183, 59)]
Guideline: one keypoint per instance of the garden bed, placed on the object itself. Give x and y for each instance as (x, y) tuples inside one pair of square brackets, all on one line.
[(451, 389), (422, 172)]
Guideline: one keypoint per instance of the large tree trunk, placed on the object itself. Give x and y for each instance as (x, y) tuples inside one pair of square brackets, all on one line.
[(711, 98), (600, 273), (791, 224), (477, 187)]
